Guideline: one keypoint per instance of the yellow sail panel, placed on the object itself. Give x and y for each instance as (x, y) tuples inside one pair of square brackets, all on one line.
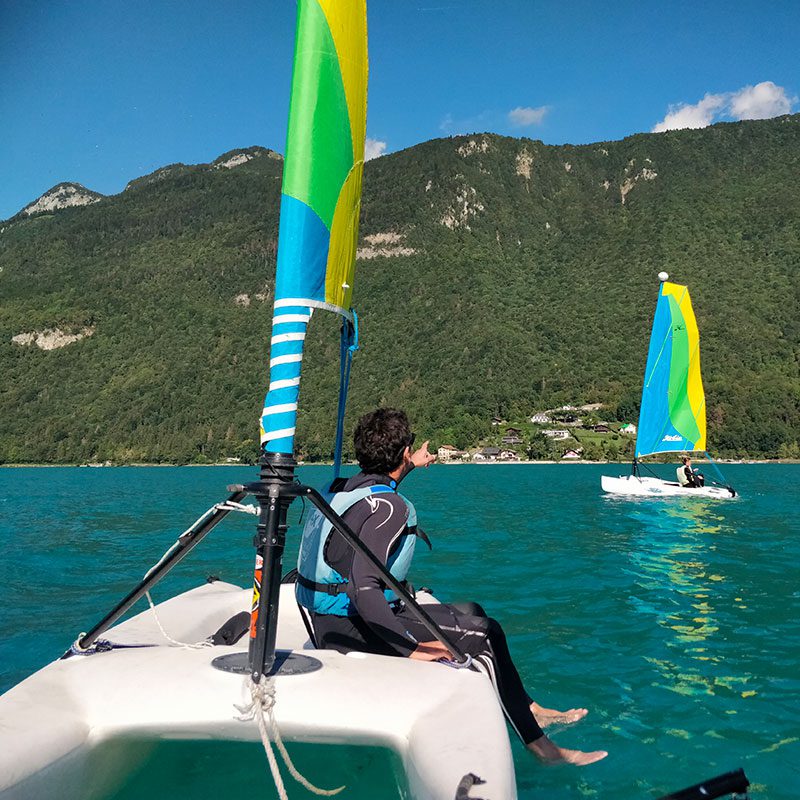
[(344, 240), (347, 20), (694, 382)]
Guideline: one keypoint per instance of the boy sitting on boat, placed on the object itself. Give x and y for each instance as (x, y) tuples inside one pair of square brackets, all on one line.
[(688, 477), (351, 608)]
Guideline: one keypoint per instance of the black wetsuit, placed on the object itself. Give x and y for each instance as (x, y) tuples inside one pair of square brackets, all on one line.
[(694, 479), (391, 629)]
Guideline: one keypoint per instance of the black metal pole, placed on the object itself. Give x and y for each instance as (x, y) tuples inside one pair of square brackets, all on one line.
[(730, 783), (277, 474), (186, 543)]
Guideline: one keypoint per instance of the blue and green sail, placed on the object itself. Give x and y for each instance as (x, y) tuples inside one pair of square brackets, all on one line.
[(320, 196), (673, 411)]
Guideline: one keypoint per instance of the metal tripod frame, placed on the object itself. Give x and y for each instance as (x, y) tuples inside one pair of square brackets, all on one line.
[(275, 492)]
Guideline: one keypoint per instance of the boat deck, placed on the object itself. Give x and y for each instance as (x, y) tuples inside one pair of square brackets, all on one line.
[(438, 720)]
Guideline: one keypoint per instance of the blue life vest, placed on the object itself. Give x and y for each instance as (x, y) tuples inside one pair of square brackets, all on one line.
[(320, 588)]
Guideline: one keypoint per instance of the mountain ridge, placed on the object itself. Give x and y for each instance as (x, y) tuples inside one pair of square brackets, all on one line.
[(53, 199), (496, 276)]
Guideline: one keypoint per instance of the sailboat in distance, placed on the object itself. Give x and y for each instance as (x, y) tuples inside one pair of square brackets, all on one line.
[(672, 417)]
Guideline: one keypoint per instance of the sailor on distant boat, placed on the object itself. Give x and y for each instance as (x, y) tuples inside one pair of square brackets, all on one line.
[(350, 606), (689, 477)]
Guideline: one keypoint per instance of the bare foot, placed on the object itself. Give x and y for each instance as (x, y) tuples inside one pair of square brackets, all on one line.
[(549, 752), (549, 716)]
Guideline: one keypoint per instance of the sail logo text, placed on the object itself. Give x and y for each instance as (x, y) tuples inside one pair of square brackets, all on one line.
[(672, 438)]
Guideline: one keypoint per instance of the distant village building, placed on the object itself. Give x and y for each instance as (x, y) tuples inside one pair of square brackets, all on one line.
[(571, 454), (566, 417), (447, 452), (629, 428), (508, 455), (556, 434), (601, 427), (497, 421), (487, 454), (541, 418), (591, 407), (512, 436), (567, 408)]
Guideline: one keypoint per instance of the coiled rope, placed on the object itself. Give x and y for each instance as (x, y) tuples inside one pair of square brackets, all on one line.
[(261, 708), (262, 694)]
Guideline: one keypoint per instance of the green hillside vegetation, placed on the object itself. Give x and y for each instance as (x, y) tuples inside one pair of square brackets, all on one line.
[(531, 284)]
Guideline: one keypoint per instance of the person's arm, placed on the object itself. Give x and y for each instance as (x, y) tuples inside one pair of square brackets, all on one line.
[(380, 532), (431, 651), (419, 458)]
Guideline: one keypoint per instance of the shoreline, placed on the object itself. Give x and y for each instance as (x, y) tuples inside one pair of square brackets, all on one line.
[(570, 462)]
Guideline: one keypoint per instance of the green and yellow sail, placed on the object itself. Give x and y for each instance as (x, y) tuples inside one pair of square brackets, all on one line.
[(673, 412), (321, 194)]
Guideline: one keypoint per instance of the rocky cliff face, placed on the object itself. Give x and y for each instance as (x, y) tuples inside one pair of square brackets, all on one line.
[(64, 195)]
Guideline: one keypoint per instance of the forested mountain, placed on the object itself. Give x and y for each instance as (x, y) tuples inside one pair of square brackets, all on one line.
[(497, 276)]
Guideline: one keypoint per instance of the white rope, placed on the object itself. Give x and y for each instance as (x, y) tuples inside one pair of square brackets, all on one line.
[(175, 642), (261, 709), (227, 505)]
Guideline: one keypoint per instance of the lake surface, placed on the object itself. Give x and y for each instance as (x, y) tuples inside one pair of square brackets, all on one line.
[(675, 621)]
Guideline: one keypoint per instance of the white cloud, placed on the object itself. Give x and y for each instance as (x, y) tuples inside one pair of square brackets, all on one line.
[(446, 124), (482, 121), (521, 117), (699, 115), (373, 149), (762, 101)]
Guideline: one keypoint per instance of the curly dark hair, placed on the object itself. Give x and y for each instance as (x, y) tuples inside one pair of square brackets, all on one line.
[(380, 439)]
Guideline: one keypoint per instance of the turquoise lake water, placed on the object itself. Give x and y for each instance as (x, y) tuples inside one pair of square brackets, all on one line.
[(675, 621)]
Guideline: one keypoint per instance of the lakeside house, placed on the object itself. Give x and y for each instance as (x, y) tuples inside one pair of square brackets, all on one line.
[(508, 455), (487, 454), (571, 455), (556, 434), (448, 453), (512, 436)]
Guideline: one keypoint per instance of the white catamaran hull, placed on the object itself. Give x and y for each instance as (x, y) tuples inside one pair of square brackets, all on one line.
[(634, 486), (442, 723)]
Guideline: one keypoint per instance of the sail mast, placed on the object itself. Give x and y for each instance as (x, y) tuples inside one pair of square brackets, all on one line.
[(320, 196), (317, 237)]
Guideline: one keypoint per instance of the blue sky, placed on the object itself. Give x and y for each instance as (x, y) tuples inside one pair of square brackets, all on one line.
[(103, 91)]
